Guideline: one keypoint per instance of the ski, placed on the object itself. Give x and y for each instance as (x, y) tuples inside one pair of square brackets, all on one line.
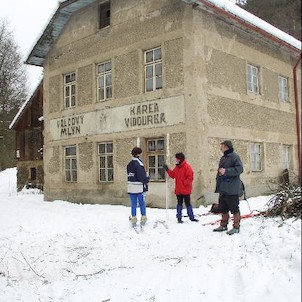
[(243, 216), (203, 214), (160, 222)]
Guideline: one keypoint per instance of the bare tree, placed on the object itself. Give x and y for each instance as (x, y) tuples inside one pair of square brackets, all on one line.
[(13, 92), (12, 72)]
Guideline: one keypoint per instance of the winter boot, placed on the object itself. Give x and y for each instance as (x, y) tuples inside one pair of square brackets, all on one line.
[(190, 213), (236, 224), (143, 220), (233, 231), (223, 223), (179, 220), (133, 221), (220, 229)]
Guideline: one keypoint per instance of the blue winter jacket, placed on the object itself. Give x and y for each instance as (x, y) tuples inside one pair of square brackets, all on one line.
[(229, 184), (137, 177)]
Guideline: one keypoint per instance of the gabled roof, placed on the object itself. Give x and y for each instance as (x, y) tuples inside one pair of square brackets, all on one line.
[(225, 8), (25, 105), (53, 30)]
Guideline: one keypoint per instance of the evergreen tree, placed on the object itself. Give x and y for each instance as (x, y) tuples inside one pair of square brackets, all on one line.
[(283, 14)]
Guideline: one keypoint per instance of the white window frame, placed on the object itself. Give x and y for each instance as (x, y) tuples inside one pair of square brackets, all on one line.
[(70, 90), (283, 88), (104, 81), (70, 163), (253, 83), (256, 157), (106, 164), (153, 69), (156, 158), (286, 157)]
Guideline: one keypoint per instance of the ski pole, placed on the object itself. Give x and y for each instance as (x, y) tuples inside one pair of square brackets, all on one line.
[(167, 201)]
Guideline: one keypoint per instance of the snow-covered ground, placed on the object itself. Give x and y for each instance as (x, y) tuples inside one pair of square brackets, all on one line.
[(59, 251)]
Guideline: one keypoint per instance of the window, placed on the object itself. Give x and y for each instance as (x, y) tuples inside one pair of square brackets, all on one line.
[(105, 151), (71, 170), (156, 158), (283, 89), (153, 69), (70, 90), (104, 13), (286, 157), (104, 78), (253, 79), (256, 157)]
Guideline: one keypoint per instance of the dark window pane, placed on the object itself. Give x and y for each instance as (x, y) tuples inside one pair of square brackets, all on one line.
[(161, 173), (101, 148), (109, 148), (158, 69), (102, 162), (67, 176), (74, 176), (110, 175), (157, 54), (151, 161), (109, 162), (151, 145), (74, 164), (149, 56), (152, 173), (149, 72), (149, 85), (103, 175)]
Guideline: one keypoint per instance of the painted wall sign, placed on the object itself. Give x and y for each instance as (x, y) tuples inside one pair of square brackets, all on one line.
[(151, 114)]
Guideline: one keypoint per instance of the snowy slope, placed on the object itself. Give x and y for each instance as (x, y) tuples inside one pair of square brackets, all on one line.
[(59, 251)]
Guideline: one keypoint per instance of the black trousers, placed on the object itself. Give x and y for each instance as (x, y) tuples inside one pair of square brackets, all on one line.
[(229, 203), (183, 198)]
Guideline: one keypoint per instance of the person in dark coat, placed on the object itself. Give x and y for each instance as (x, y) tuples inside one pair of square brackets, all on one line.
[(228, 185), (183, 175), (137, 185)]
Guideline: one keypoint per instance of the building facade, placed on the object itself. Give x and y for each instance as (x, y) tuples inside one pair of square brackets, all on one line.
[(28, 124), (168, 76)]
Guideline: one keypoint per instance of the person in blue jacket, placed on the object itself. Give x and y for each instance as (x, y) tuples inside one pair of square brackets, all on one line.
[(137, 185), (229, 187)]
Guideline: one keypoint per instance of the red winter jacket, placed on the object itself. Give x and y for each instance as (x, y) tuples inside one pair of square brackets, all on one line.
[(183, 175)]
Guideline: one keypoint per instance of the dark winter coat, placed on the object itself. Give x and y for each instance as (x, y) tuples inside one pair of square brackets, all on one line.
[(229, 184), (183, 175), (137, 177)]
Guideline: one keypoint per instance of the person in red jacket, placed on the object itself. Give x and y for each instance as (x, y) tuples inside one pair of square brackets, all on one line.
[(183, 175)]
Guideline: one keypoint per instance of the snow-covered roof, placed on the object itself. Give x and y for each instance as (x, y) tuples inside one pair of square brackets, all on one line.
[(23, 107), (225, 7), (250, 19)]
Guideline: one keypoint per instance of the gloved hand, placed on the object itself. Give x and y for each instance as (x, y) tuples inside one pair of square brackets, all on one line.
[(165, 166)]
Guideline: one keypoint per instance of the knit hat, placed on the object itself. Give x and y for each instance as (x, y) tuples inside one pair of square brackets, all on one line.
[(228, 144), (180, 156), (136, 150)]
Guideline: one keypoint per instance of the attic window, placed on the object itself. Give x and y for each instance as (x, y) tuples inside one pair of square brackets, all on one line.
[(104, 13)]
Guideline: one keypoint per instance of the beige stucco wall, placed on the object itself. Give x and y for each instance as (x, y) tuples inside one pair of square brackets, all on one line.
[(204, 66)]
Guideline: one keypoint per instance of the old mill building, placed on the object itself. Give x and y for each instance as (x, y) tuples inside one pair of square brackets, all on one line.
[(168, 76)]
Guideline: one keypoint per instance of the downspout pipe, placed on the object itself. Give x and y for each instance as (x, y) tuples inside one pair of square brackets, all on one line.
[(296, 95)]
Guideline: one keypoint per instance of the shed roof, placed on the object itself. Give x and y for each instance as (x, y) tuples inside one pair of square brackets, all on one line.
[(226, 8), (24, 106)]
